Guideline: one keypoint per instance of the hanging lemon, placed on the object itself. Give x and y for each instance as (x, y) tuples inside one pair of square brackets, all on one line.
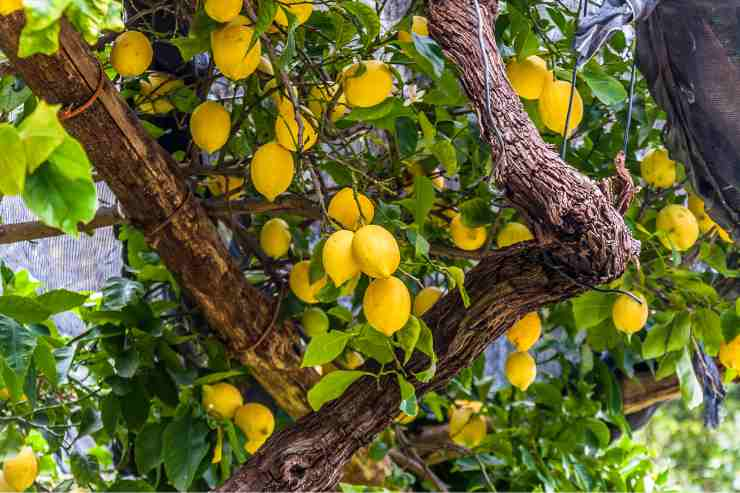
[(300, 283), (223, 10), (467, 238), (706, 223), (521, 370), (286, 129), (426, 299), (729, 354), (210, 126), (275, 238), (525, 332), (315, 322), (10, 6), (628, 315), (680, 226), (300, 8), (528, 77), (513, 233), (376, 251), (367, 86), (344, 209), (321, 96), (221, 399), (553, 106), (387, 305), (230, 44), (272, 170), (132, 54), (339, 261), (155, 92), (657, 169), (21, 470), (419, 26)]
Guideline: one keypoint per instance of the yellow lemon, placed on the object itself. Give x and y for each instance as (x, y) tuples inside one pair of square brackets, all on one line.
[(657, 169), (319, 98), (9, 6), (279, 95), (368, 86), (223, 10), (4, 486), (230, 44), (472, 434), (343, 209), (706, 223), (525, 332), (680, 226), (376, 251), (426, 298), (387, 305), (300, 8), (528, 77), (275, 238), (301, 285), (513, 233), (286, 129), (255, 420), (272, 170), (729, 354), (628, 315), (20, 471), (351, 360), (339, 261), (419, 26), (553, 106), (315, 322), (252, 446), (155, 91), (467, 238), (221, 399), (221, 185), (521, 370), (132, 54), (210, 126)]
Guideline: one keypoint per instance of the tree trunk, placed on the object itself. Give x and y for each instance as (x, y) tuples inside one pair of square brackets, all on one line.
[(580, 237)]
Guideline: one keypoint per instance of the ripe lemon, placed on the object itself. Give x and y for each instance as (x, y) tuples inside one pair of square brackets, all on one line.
[(729, 354), (223, 10), (460, 414), (706, 223), (525, 332), (343, 209), (279, 95), (252, 446), (221, 185), (387, 305), (221, 399), (300, 283), (467, 238), (132, 54), (351, 360), (657, 169), (426, 298), (286, 129), (275, 238), (339, 261), (680, 225), (210, 125), (370, 86), (154, 94), (513, 233), (628, 315), (20, 471), (376, 251), (272, 170), (315, 322), (419, 26), (521, 369), (300, 8), (528, 77), (4, 486), (10, 6), (319, 98), (230, 44), (553, 106), (472, 434), (255, 420)]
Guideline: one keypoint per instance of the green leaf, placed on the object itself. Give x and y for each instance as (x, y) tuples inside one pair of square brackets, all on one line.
[(366, 17), (373, 344), (127, 362), (600, 430), (265, 15), (45, 361), (430, 53), (332, 386), (445, 152), (408, 396), (41, 31), (690, 389), (324, 348), (730, 325), (148, 447), (667, 366), (605, 88), (17, 346), (128, 485), (24, 310), (191, 46), (408, 336), (217, 377), (42, 134), (342, 313), (680, 332), (476, 213), (592, 308), (12, 161), (424, 199), (316, 266), (425, 344), (61, 300), (110, 410), (655, 343), (390, 107), (185, 445), (407, 135), (427, 129)]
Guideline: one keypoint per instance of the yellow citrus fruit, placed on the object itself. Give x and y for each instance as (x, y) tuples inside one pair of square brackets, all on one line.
[(4, 486), (5, 395), (255, 420), (351, 360), (230, 44), (252, 446), (21, 470), (10, 6), (520, 369), (426, 298), (279, 95), (221, 185), (439, 182), (525, 332), (513, 233), (343, 209), (275, 238), (300, 8), (680, 226), (286, 129), (657, 169), (210, 126), (467, 238), (729, 354), (272, 170), (628, 315), (369, 86), (155, 92), (472, 434), (387, 305), (376, 251), (301, 285), (319, 98), (339, 261), (706, 223), (419, 26), (315, 322), (404, 418), (553, 106), (528, 77), (223, 10), (132, 54), (221, 399)]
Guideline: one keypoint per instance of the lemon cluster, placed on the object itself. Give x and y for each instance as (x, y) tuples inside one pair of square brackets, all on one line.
[(467, 426), (521, 368)]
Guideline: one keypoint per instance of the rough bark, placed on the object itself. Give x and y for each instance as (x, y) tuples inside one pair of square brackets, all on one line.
[(579, 236)]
